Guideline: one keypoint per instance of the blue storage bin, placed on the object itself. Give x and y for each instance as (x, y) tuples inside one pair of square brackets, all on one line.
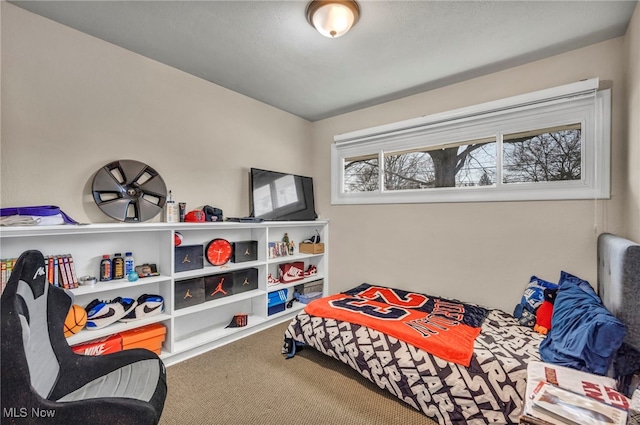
[(307, 298), (277, 301)]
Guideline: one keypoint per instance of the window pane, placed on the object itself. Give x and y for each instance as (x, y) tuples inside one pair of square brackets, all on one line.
[(550, 154), (408, 170), (471, 163), (361, 174)]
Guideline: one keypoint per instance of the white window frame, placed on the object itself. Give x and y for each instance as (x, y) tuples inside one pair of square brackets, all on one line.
[(579, 102)]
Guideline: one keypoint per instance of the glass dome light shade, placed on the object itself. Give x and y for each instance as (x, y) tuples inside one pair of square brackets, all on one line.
[(332, 18)]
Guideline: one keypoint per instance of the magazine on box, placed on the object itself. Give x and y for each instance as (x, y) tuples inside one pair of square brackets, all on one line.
[(576, 409), (598, 387)]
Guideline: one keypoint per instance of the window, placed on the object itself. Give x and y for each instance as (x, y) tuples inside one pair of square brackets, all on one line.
[(545, 155), (463, 164), (552, 144), (361, 174)]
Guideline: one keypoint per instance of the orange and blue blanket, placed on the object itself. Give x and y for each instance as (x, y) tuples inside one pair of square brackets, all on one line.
[(445, 328)]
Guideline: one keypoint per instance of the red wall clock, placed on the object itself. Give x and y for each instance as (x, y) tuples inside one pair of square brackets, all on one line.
[(218, 251)]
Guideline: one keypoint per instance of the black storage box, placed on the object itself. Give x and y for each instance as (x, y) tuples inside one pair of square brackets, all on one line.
[(244, 251), (245, 280), (188, 257), (218, 286), (189, 292)]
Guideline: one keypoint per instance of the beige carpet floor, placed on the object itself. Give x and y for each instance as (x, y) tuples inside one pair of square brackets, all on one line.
[(250, 382)]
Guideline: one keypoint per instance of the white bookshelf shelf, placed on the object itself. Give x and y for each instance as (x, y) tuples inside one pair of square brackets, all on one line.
[(192, 329)]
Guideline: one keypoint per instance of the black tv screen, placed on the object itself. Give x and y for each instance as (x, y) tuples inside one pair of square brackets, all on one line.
[(280, 196)]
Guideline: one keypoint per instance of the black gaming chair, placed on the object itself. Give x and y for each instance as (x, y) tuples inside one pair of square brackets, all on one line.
[(44, 381)]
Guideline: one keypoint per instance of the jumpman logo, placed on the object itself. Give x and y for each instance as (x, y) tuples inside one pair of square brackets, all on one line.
[(186, 259), (187, 295), (219, 288), (246, 281)]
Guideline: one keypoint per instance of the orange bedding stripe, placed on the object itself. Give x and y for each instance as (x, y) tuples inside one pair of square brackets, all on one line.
[(439, 331)]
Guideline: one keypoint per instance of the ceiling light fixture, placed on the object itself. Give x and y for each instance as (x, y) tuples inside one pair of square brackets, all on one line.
[(333, 18)]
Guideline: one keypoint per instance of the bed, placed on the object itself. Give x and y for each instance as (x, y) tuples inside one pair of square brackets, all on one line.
[(485, 386)]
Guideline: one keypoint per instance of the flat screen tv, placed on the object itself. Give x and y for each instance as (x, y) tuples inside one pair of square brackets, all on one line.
[(279, 196)]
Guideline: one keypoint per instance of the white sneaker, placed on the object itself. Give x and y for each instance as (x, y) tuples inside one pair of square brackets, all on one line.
[(104, 313), (147, 306)]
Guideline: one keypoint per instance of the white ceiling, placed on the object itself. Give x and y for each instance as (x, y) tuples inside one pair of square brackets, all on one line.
[(266, 49)]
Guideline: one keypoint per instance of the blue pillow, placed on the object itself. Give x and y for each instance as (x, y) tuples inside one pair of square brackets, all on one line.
[(581, 283), (584, 335), (532, 298)]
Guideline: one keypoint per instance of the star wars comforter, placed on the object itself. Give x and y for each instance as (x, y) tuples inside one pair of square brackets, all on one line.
[(489, 390)]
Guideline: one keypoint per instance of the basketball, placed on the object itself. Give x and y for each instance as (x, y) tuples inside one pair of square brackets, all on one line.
[(75, 321)]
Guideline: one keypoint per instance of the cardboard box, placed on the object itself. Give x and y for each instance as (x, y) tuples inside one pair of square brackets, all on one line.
[(98, 347), (189, 292), (245, 280), (149, 337), (218, 286), (134, 336), (188, 257), (244, 251), (311, 248)]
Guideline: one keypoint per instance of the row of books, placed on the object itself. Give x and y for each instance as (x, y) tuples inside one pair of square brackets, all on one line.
[(60, 270), (6, 266)]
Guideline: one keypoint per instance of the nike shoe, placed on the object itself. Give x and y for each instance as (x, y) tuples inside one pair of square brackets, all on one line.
[(271, 280), (103, 313), (147, 306), (311, 271)]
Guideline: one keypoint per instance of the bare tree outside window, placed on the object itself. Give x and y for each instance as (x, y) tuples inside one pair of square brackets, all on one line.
[(551, 154), (361, 174), (460, 165), (549, 145), (544, 155), (405, 171)]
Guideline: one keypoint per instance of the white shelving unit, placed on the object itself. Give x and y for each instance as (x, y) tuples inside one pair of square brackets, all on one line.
[(190, 330)]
